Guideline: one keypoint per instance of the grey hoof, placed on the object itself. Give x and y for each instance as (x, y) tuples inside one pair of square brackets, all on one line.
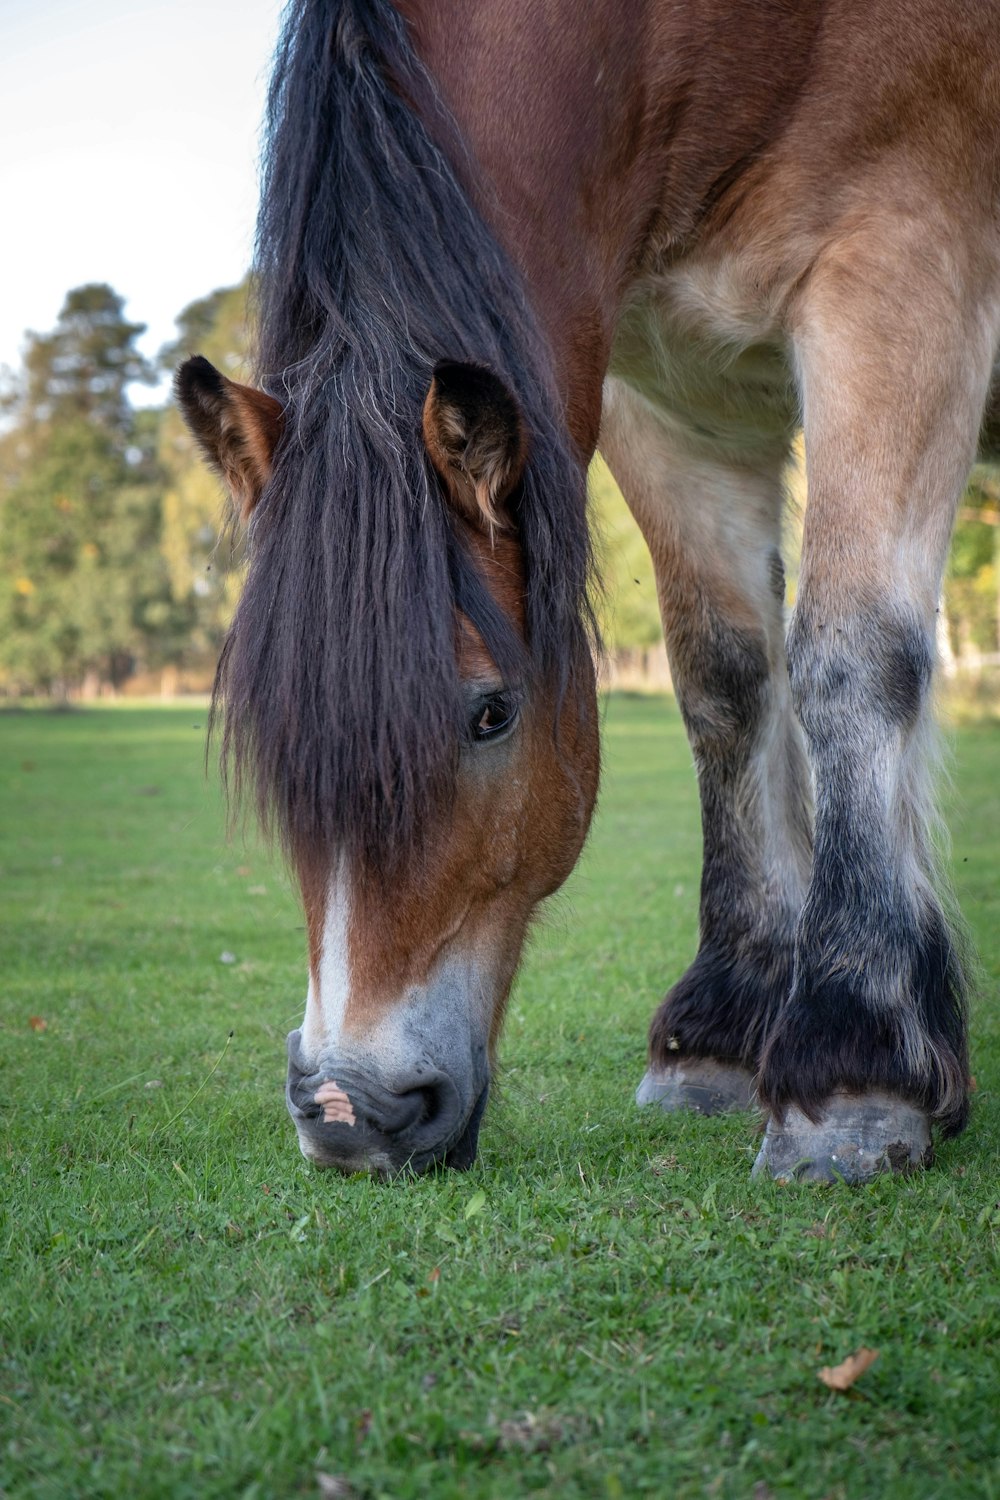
[(858, 1137), (698, 1083)]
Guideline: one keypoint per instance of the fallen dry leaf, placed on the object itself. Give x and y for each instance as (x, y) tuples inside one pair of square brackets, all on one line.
[(842, 1377), (37, 1024), (537, 1432)]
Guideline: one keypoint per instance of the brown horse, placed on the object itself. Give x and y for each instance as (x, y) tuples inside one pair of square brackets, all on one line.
[(492, 236)]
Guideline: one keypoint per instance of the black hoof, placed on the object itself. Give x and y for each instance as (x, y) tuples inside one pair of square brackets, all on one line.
[(857, 1138), (698, 1083)]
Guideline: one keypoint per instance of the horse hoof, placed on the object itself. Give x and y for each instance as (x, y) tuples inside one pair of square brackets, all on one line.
[(858, 1137), (699, 1083)]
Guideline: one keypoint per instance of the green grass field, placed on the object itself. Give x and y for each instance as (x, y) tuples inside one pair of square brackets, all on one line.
[(604, 1306)]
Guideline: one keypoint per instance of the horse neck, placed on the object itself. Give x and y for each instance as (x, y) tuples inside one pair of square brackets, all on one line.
[(526, 111), (629, 120)]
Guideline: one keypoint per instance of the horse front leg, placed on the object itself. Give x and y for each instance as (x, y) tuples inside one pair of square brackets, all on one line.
[(713, 529), (870, 1049)]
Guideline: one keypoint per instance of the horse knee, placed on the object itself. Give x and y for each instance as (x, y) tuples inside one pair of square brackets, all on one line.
[(845, 671), (722, 674)]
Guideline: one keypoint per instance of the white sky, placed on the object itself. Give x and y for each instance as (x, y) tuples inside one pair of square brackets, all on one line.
[(129, 141)]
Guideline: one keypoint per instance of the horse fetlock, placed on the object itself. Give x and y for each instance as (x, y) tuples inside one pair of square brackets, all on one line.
[(854, 1138), (700, 1084), (873, 1010), (723, 1006)]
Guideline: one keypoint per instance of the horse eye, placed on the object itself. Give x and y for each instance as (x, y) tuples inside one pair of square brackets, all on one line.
[(492, 716)]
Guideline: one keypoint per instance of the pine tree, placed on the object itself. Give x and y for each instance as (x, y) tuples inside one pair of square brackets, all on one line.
[(81, 370)]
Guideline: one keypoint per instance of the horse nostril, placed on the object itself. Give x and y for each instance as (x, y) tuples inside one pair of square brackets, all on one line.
[(426, 1114), (429, 1103)]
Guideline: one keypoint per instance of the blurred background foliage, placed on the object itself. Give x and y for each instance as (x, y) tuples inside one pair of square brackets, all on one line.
[(119, 571)]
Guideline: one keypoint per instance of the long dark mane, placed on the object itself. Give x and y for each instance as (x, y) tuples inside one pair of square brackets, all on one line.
[(338, 679)]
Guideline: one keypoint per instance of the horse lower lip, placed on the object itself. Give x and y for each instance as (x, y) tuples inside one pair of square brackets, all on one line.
[(336, 1146)]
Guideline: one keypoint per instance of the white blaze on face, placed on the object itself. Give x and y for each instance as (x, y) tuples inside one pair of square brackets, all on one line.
[(326, 1001), (434, 1039)]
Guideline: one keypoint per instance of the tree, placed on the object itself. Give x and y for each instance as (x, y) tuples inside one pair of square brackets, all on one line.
[(81, 370), (202, 556), (972, 581), (80, 566), (629, 613)]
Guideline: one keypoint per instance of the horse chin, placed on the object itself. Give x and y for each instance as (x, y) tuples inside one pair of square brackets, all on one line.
[(462, 1154), (382, 1159)]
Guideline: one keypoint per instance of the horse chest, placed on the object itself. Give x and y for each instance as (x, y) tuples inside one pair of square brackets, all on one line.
[(695, 344)]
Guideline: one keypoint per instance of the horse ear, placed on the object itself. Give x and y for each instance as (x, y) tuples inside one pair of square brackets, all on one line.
[(236, 427), (475, 439)]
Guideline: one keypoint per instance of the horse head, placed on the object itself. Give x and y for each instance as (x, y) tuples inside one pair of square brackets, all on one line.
[(414, 941)]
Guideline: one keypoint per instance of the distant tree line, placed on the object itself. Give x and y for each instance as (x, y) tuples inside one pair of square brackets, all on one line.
[(117, 564)]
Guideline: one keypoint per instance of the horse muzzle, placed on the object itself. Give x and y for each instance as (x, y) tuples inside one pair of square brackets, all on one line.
[(348, 1118)]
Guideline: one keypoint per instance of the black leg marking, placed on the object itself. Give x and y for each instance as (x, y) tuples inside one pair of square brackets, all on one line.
[(725, 1003), (877, 1004), (838, 1034), (718, 1013)]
